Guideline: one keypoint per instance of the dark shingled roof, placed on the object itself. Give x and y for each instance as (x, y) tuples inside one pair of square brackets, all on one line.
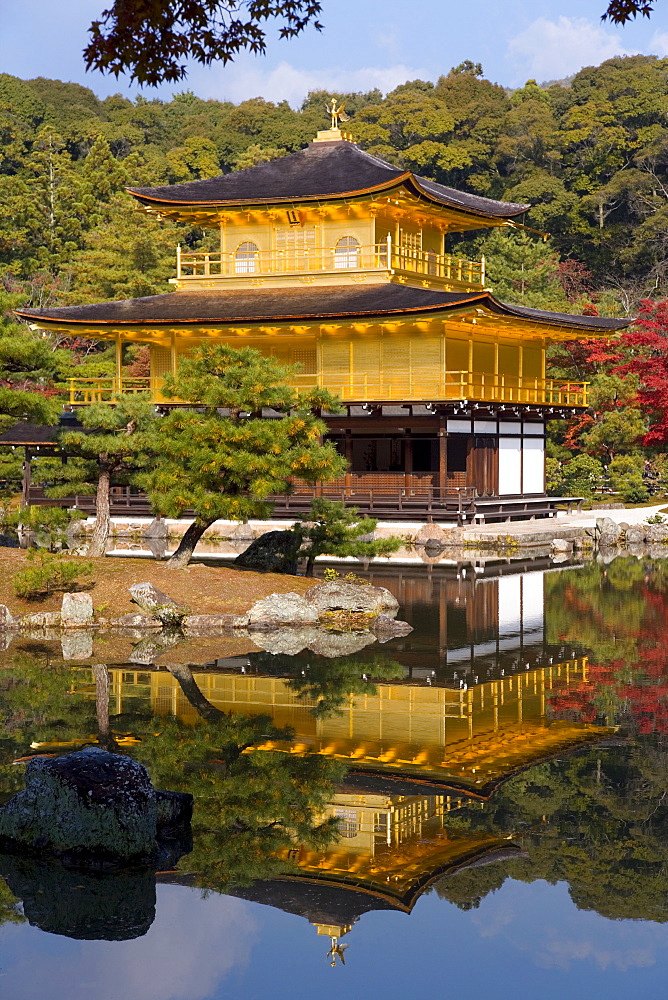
[(322, 170), (270, 305), (25, 433)]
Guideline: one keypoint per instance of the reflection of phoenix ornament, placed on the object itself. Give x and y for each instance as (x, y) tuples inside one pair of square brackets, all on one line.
[(337, 950), (337, 114)]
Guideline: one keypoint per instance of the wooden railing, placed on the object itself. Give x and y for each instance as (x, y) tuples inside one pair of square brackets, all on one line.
[(376, 257), (408, 502), (414, 385)]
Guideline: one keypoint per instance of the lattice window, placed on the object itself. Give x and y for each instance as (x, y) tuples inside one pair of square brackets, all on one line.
[(161, 362), (307, 361), (246, 258), (294, 248), (348, 822), (346, 252)]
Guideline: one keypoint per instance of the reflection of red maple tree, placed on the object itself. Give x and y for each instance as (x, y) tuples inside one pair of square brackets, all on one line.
[(634, 691)]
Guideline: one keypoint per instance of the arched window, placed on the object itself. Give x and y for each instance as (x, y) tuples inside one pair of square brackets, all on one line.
[(246, 258), (346, 252)]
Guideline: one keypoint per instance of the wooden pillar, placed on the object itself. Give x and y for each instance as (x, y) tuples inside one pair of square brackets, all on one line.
[(348, 447), (119, 361), (172, 354), (442, 454), (27, 476), (408, 457)]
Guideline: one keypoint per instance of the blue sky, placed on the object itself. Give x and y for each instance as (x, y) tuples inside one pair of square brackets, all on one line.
[(366, 43)]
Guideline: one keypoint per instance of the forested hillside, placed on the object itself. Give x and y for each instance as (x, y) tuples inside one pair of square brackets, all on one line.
[(590, 154)]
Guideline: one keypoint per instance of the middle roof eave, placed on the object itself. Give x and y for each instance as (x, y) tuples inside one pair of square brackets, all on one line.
[(305, 304)]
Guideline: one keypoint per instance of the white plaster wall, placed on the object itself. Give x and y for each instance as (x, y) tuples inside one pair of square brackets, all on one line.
[(533, 472), (510, 465)]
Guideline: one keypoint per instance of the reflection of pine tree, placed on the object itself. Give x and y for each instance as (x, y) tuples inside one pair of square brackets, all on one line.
[(330, 683)]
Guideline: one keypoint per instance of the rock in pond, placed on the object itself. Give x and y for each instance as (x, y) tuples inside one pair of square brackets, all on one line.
[(213, 624), (386, 628), (338, 595), (273, 552), (153, 601), (40, 619), (136, 620), (156, 529), (76, 611), (7, 619), (91, 803), (280, 610)]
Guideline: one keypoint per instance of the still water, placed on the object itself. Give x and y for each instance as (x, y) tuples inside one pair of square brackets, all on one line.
[(476, 810)]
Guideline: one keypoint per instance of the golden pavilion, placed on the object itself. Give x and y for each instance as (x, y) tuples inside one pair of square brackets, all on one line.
[(336, 261)]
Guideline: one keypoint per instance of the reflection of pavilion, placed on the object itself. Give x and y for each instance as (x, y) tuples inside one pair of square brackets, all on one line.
[(390, 850), (468, 739), (474, 621)]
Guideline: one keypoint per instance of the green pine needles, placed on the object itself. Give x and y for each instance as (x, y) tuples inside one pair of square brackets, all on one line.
[(242, 439)]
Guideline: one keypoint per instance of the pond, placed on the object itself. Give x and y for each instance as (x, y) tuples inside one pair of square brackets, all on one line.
[(475, 810)]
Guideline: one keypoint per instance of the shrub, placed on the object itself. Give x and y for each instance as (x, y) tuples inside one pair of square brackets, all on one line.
[(49, 572), (581, 476), (626, 478)]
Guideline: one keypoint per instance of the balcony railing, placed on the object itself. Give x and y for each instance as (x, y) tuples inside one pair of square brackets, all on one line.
[(411, 386), (377, 257)]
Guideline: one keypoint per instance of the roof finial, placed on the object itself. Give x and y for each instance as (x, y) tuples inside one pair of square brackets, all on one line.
[(337, 114)]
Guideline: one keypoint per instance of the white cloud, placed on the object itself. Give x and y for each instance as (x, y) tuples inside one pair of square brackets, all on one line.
[(188, 953), (658, 45), (246, 79), (552, 50)]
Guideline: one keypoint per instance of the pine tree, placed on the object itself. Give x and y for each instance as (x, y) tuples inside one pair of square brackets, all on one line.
[(523, 270), (115, 442), (330, 528), (227, 464)]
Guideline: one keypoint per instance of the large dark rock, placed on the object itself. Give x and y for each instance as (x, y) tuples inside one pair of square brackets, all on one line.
[(157, 529), (90, 803), (274, 552)]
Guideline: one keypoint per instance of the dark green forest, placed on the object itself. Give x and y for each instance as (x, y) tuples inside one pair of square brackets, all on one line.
[(590, 154)]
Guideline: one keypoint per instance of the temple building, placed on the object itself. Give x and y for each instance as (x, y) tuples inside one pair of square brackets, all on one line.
[(336, 261)]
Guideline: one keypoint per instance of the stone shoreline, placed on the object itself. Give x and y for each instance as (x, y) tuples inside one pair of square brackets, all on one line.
[(334, 618)]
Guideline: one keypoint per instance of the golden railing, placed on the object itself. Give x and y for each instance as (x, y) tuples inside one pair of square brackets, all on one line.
[(83, 391), (376, 257), (413, 385)]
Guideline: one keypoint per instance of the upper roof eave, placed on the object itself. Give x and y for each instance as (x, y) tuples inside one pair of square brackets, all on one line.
[(332, 171), (408, 180)]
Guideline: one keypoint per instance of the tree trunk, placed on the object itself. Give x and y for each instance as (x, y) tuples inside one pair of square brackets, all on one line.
[(310, 563), (104, 737), (100, 534), (184, 552), (190, 688)]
